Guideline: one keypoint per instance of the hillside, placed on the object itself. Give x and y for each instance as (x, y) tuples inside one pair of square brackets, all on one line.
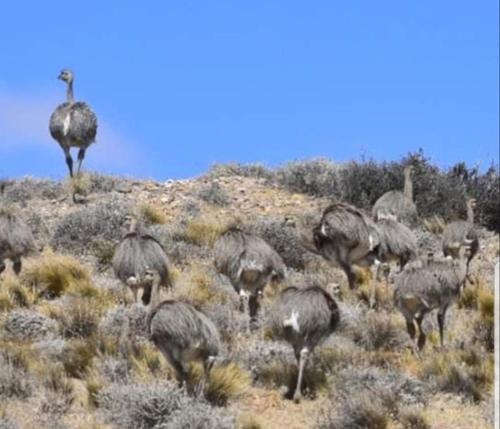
[(65, 363)]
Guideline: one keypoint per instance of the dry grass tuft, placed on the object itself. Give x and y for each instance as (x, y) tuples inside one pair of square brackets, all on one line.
[(55, 274), (77, 360), (153, 214), (196, 285), (203, 231), (13, 294), (225, 382), (413, 418), (466, 372)]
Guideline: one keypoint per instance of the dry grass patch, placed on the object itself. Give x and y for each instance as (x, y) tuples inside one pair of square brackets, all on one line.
[(196, 285), (78, 358), (413, 418), (466, 372), (205, 230), (153, 214), (225, 382), (14, 294), (54, 274)]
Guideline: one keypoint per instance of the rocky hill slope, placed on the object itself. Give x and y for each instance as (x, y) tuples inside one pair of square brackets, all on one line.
[(65, 363)]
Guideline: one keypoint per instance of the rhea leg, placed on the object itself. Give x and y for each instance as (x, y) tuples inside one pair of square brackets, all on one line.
[(244, 302), (440, 317), (2, 266), (17, 265), (421, 336), (69, 160), (81, 156), (351, 277), (207, 367), (253, 308), (302, 363)]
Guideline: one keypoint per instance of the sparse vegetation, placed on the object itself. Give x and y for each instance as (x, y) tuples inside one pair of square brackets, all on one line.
[(55, 274), (75, 353)]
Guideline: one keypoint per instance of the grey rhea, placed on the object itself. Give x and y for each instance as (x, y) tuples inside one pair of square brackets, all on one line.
[(181, 333), (397, 243), (457, 232), (16, 239), (398, 204), (346, 237), (136, 252), (434, 284), (73, 124), (250, 263), (304, 318)]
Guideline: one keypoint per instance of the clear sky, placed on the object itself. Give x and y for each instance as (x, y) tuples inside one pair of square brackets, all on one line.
[(180, 85)]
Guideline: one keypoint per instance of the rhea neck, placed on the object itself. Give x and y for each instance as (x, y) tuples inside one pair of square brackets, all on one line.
[(470, 213), (69, 91), (133, 225), (155, 294), (408, 189)]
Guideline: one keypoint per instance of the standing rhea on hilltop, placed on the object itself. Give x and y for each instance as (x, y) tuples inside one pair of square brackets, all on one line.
[(456, 233), (136, 252), (433, 285), (16, 239), (304, 318), (181, 333), (73, 124), (398, 204), (250, 263), (346, 237)]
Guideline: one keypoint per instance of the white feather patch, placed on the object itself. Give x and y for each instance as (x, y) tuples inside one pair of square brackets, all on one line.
[(293, 321), (370, 239), (66, 123)]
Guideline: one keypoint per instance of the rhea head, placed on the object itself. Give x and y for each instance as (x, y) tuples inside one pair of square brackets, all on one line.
[(66, 75), (151, 275)]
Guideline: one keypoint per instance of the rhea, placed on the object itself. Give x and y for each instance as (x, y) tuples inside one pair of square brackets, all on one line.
[(73, 124), (304, 318), (398, 204), (250, 263), (181, 333), (16, 239), (458, 232), (346, 237), (136, 252), (432, 285)]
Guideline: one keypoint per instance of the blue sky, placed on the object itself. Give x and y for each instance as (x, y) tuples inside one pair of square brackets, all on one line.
[(180, 85)]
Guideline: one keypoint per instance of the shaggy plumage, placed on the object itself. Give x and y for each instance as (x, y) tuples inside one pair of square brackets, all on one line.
[(16, 239), (137, 252), (347, 237), (73, 124), (432, 285), (182, 333), (398, 204), (249, 263), (397, 242), (304, 318), (456, 233)]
